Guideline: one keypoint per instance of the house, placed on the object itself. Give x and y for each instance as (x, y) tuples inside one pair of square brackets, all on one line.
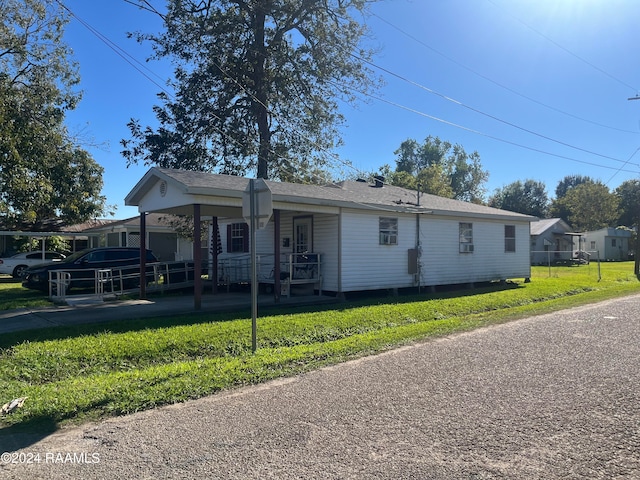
[(552, 241), (76, 235), (161, 237), (358, 236), (610, 244)]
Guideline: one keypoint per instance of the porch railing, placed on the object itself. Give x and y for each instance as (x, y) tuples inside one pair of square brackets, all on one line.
[(295, 269)]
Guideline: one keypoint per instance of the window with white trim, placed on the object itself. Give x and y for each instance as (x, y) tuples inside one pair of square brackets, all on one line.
[(466, 237), (388, 231), (509, 238)]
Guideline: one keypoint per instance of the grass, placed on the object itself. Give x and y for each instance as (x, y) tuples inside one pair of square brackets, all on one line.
[(91, 371), (13, 295)]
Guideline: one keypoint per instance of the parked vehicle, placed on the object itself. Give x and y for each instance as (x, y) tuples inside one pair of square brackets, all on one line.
[(17, 264), (82, 266)]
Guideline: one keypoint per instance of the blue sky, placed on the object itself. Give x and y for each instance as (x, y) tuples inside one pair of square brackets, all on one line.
[(538, 88)]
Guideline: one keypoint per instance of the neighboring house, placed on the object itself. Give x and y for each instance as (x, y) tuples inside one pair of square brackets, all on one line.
[(76, 235), (609, 244), (161, 238), (552, 241), (362, 236)]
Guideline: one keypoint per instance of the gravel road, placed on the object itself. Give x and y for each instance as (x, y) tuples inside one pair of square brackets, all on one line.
[(554, 396)]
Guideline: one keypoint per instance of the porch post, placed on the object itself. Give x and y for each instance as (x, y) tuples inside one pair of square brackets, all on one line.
[(214, 253), (276, 256), (143, 255), (197, 258)]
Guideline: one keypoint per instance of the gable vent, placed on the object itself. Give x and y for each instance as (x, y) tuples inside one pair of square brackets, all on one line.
[(163, 188)]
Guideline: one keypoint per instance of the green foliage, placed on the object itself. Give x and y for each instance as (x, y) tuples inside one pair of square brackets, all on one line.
[(590, 206), (43, 174), (569, 182), (256, 84), (98, 370), (557, 208), (529, 198), (628, 194), (440, 168)]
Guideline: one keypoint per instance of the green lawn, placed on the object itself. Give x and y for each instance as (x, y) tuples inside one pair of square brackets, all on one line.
[(13, 295), (91, 371)]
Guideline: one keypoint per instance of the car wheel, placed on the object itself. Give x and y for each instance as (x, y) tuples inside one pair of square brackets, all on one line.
[(19, 271)]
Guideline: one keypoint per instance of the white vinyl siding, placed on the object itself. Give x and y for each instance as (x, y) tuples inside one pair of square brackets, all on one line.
[(443, 264), (367, 265)]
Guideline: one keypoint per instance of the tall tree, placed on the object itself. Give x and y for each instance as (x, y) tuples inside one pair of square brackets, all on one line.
[(591, 206), (569, 182), (441, 169), (558, 207), (257, 84), (43, 174), (529, 198)]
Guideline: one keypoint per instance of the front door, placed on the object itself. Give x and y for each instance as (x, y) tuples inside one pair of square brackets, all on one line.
[(303, 234)]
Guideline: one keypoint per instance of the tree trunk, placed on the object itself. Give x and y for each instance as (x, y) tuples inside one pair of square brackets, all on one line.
[(260, 100)]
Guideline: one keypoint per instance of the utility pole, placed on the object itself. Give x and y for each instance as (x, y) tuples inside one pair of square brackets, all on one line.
[(636, 255)]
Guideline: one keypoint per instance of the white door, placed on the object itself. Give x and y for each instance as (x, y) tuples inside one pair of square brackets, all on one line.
[(303, 234)]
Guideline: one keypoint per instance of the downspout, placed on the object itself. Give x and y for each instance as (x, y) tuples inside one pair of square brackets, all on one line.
[(276, 256), (214, 253), (197, 258), (340, 293), (418, 246), (418, 251)]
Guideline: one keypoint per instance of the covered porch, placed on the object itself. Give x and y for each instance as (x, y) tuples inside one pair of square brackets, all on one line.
[(291, 248)]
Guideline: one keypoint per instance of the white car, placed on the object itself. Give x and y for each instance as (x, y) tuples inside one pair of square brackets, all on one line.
[(17, 264)]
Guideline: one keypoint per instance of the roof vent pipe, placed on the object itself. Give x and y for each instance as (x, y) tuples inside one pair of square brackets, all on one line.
[(379, 181)]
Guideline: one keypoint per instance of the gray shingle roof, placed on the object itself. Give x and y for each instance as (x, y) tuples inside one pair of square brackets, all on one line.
[(352, 194), (556, 224)]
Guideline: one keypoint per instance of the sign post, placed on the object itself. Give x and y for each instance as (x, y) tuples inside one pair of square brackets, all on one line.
[(257, 208)]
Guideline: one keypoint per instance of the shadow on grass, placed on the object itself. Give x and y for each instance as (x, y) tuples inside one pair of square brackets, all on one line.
[(353, 300)]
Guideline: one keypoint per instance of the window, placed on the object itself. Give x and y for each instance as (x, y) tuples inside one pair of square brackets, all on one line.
[(388, 231), (509, 238), (237, 238), (592, 245), (466, 238), (613, 242)]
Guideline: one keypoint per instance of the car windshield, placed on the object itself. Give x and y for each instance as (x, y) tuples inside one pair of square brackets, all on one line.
[(74, 256)]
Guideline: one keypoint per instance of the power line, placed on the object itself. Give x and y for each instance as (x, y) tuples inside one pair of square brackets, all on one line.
[(477, 132), (620, 169), (333, 155), (457, 102), (511, 90), (132, 61), (549, 39)]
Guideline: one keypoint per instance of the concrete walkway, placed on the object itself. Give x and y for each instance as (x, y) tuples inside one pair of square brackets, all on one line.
[(89, 310)]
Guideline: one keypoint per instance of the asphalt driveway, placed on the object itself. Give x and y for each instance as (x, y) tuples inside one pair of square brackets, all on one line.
[(555, 396)]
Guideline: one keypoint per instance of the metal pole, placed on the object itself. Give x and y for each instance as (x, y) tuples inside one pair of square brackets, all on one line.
[(254, 269)]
